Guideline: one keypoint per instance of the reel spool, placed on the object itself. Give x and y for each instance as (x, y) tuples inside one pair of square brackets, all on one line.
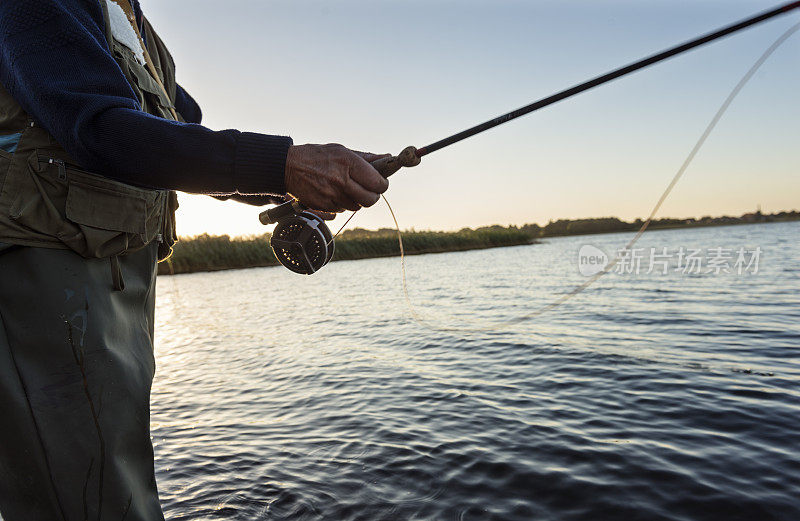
[(301, 241)]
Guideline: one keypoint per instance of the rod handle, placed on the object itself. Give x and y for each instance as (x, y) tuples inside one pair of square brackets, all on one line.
[(387, 166)]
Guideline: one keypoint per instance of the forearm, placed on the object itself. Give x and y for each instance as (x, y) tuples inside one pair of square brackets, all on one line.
[(145, 150)]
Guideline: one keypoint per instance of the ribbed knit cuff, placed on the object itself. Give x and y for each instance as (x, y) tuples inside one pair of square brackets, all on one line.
[(261, 163)]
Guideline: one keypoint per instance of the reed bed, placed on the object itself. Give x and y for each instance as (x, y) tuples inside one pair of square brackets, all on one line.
[(212, 253)]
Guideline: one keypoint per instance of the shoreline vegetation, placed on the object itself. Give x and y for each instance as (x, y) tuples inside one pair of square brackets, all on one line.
[(221, 252)]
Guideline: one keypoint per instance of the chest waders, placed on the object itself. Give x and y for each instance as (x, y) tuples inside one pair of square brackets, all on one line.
[(78, 255)]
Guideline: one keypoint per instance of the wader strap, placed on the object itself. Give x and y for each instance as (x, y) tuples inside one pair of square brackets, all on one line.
[(116, 274)]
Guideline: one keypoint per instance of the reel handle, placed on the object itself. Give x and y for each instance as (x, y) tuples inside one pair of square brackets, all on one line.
[(275, 214), (385, 166)]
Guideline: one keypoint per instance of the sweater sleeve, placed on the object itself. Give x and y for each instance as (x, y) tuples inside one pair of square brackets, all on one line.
[(187, 106), (190, 111), (55, 62), (252, 200)]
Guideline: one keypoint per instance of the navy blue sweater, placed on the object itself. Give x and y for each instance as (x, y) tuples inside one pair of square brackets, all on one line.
[(55, 62)]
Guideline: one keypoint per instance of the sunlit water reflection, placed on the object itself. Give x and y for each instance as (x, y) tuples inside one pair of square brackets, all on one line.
[(649, 396)]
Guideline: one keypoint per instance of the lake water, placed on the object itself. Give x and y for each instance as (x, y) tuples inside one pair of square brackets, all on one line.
[(649, 396)]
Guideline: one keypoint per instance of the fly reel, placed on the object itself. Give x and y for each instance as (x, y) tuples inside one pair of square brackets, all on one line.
[(301, 240)]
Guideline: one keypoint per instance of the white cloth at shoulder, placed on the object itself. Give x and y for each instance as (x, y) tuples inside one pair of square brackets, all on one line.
[(122, 30)]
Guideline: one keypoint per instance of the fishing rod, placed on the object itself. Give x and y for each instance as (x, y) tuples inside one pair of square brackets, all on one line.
[(302, 241)]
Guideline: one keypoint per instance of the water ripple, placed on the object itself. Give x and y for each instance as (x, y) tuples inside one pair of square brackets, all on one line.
[(652, 398)]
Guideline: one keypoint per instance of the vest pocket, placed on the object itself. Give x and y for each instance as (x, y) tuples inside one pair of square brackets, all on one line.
[(36, 200), (108, 221), (90, 214)]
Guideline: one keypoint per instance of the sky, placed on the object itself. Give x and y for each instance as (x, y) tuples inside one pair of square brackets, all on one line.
[(378, 75)]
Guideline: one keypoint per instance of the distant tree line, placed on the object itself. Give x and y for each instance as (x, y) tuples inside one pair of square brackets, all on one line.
[(563, 227), (211, 253)]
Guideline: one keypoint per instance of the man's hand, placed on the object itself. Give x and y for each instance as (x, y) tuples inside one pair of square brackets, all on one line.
[(332, 178)]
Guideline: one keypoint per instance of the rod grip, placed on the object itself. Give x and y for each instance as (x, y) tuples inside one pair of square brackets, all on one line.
[(387, 166)]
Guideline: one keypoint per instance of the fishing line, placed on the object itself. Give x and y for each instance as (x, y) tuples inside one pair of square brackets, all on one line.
[(423, 321), (342, 227)]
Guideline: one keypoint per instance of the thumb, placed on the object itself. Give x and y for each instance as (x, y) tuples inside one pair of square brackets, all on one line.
[(370, 157)]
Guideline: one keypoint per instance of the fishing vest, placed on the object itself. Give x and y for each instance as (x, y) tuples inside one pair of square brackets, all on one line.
[(47, 200)]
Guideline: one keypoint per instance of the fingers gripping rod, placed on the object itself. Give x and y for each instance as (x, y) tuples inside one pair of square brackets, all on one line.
[(386, 166)]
